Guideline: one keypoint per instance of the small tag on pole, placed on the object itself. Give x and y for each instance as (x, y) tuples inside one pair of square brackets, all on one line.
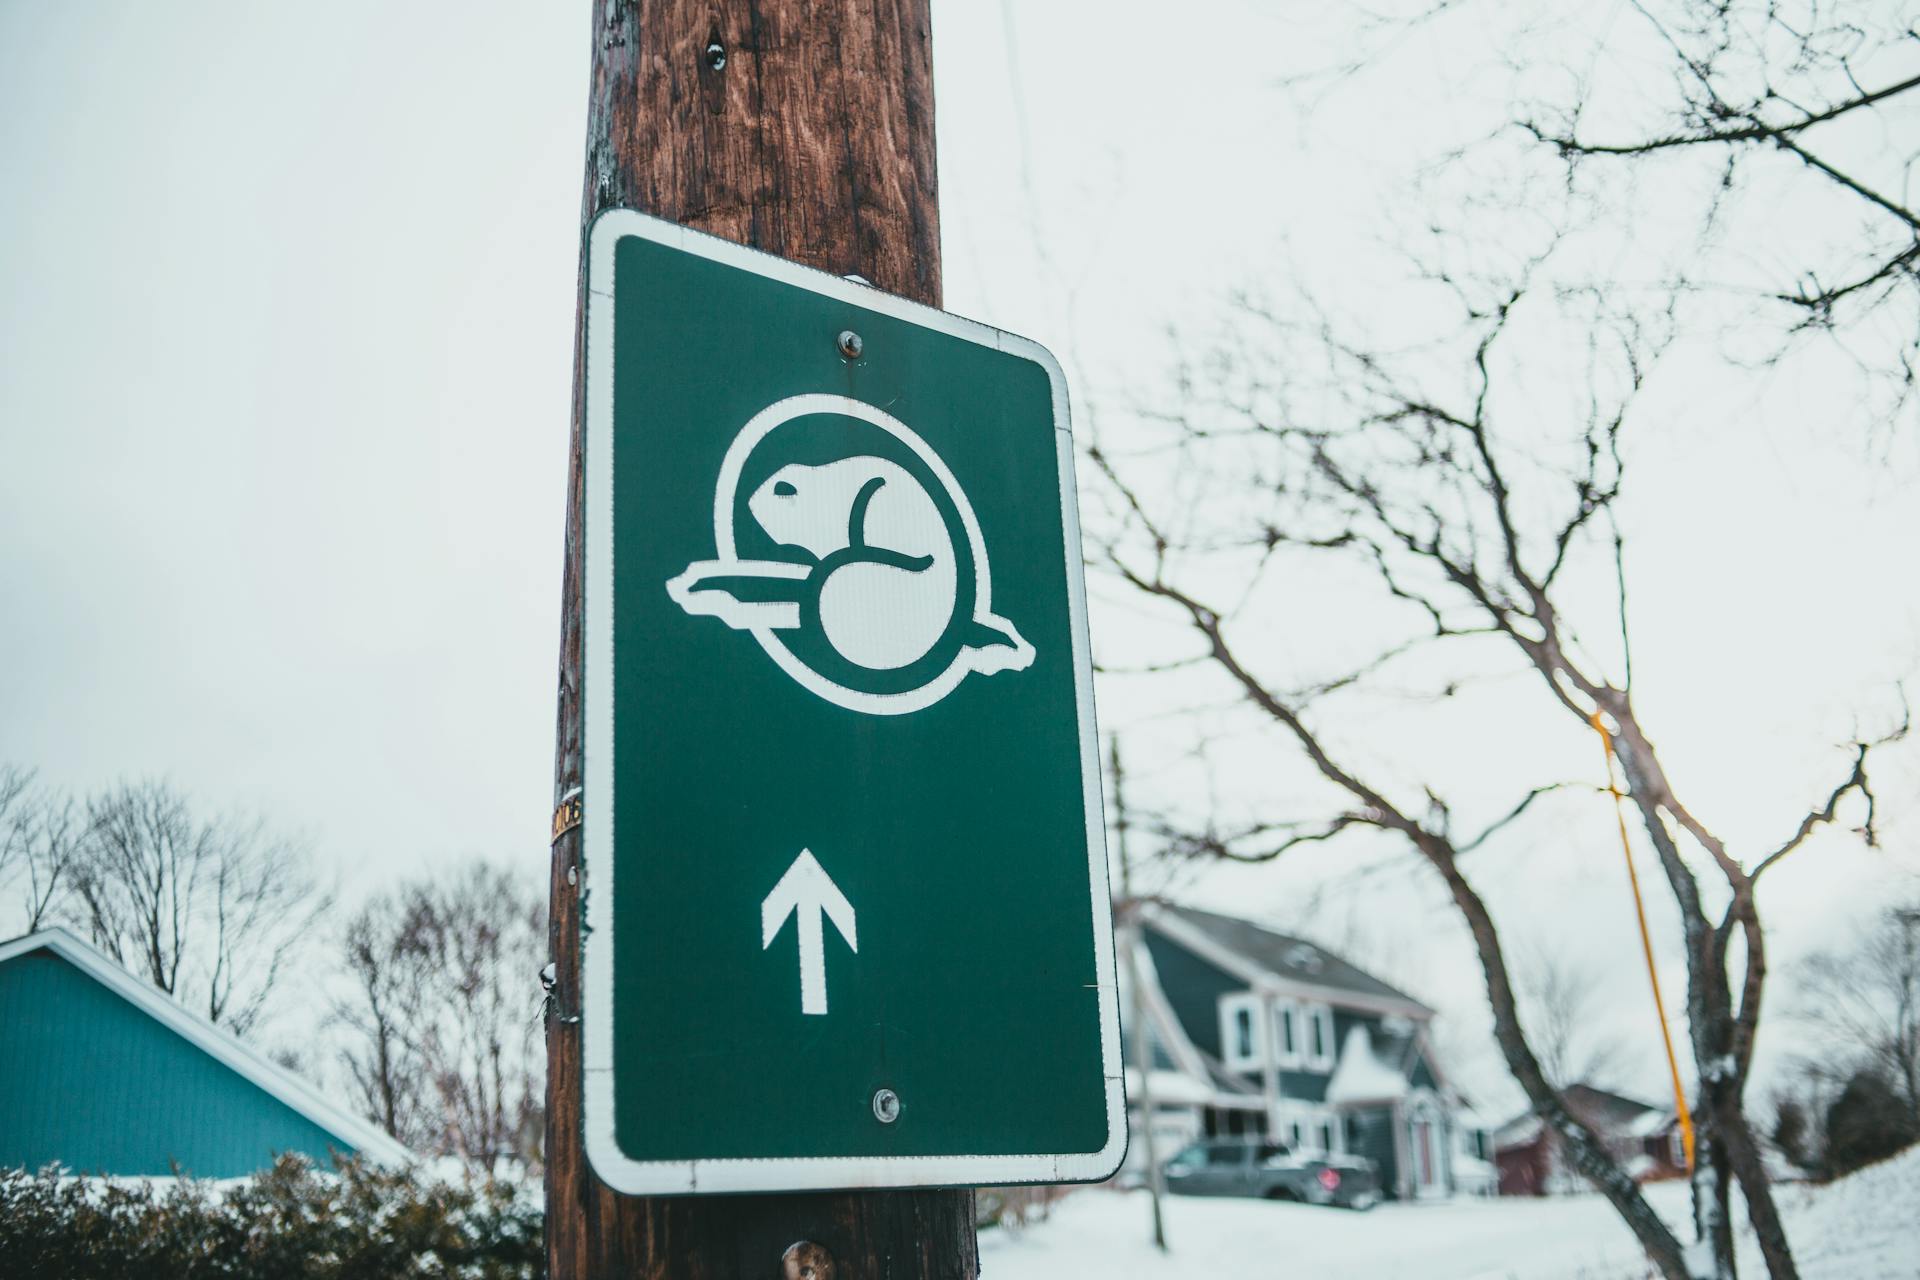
[(567, 816)]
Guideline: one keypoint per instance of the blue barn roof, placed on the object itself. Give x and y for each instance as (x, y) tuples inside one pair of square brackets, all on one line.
[(104, 1074)]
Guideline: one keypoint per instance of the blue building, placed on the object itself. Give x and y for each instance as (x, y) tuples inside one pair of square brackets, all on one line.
[(104, 1074), (1259, 1034)]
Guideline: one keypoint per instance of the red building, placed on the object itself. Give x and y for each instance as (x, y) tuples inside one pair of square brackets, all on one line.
[(1645, 1139)]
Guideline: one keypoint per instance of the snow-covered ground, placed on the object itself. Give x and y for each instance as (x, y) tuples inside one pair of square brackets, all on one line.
[(1866, 1227)]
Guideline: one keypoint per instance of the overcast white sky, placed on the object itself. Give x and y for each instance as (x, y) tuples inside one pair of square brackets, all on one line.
[(285, 333)]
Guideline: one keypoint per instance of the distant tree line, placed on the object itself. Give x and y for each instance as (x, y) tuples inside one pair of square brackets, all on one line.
[(1860, 1101), (443, 1039), (424, 1001)]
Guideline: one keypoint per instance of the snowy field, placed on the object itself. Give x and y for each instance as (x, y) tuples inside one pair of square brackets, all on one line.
[(1866, 1227)]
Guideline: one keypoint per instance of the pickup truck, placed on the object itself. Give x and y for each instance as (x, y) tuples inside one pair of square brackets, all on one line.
[(1273, 1171)]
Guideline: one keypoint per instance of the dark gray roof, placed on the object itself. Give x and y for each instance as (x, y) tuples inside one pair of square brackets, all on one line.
[(1610, 1113), (1224, 1080), (1604, 1110), (1289, 957)]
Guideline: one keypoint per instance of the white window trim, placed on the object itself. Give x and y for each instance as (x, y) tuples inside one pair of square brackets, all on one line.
[(1320, 1016), (1286, 1013), (1230, 1009), (1336, 1131), (1303, 1124)]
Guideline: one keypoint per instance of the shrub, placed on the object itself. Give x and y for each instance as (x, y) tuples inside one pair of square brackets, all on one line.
[(291, 1222), (1869, 1121)]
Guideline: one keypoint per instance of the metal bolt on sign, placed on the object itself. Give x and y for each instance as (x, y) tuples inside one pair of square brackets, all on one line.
[(886, 1106), (850, 344)]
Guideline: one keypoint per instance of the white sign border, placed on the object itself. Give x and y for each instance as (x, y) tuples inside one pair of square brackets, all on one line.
[(680, 1177)]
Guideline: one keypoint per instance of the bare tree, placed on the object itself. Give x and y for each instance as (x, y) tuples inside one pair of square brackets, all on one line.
[(1560, 996), (209, 910), (443, 1019), (1753, 157), (54, 828), (387, 978), (1865, 1002), (1751, 80), (15, 783), (1466, 506), (40, 833)]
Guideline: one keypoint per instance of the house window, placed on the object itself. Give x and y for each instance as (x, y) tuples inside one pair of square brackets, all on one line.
[(1310, 1129), (1286, 1032), (1319, 1132), (1316, 1037), (1676, 1148), (1239, 1038)]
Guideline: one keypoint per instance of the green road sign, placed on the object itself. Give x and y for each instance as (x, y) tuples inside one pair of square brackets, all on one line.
[(845, 910)]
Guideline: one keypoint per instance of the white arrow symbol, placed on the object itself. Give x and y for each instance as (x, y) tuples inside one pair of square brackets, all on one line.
[(806, 892)]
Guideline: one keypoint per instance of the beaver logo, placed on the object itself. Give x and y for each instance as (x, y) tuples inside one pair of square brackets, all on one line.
[(845, 547)]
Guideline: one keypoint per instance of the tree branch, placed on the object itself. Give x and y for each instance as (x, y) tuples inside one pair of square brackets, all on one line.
[(1754, 131), (1856, 780), (1513, 815)]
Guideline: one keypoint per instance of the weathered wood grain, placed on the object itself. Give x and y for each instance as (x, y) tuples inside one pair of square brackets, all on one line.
[(805, 128)]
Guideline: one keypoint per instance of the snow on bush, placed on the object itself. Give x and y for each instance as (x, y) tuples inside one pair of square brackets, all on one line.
[(291, 1222)]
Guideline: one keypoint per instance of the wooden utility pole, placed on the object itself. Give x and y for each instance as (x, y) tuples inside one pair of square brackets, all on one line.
[(803, 128)]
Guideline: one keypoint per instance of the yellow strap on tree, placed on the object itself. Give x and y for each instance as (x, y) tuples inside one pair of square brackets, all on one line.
[(1681, 1111)]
